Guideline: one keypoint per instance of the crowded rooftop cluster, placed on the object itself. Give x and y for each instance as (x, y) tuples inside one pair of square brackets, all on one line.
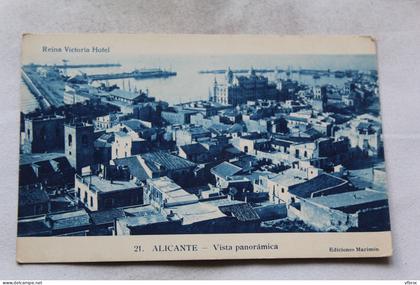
[(259, 154)]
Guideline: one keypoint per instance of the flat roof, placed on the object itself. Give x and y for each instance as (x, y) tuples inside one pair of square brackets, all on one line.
[(103, 185), (142, 210), (70, 219), (289, 177), (145, 220), (197, 212), (173, 193), (347, 199), (37, 157)]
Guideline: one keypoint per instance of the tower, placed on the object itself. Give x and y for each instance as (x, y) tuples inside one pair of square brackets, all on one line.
[(43, 134), (78, 144), (229, 76), (319, 101)]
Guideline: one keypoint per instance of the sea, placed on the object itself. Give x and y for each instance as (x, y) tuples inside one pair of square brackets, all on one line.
[(189, 84)]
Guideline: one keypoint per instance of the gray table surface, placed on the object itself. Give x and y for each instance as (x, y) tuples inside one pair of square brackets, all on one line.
[(396, 26)]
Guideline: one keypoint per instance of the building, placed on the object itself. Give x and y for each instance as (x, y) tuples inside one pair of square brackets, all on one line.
[(319, 99), (33, 201), (103, 148), (107, 121), (127, 144), (72, 223), (79, 144), (103, 222), (80, 93), (174, 210), (238, 90), (50, 169), (127, 96), (146, 220), (195, 152), (177, 116), (251, 143), (43, 134), (278, 186), (163, 193), (69, 223), (34, 226), (364, 133), (223, 172), (365, 210), (322, 185), (158, 164), (107, 190), (191, 134)]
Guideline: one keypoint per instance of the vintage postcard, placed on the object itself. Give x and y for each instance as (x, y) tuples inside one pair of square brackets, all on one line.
[(181, 147)]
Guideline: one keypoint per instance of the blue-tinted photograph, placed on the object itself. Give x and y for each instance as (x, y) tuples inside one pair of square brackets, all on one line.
[(201, 144)]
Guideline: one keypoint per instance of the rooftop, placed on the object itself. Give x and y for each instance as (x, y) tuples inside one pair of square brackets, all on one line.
[(102, 185), (134, 124), (243, 212), (158, 160), (191, 149), (106, 217), (29, 197), (134, 165), (226, 169), (36, 226), (136, 221), (289, 177), (69, 219), (321, 182), (38, 157), (172, 192), (347, 199), (142, 210), (124, 94), (197, 212)]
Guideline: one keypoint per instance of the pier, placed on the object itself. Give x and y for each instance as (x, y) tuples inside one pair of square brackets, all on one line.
[(74, 65), (136, 74), (222, 71), (47, 92), (43, 102)]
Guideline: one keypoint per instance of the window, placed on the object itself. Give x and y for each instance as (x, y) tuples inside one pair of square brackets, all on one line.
[(29, 132), (70, 140), (305, 154), (78, 192), (85, 198), (246, 149), (91, 201), (296, 153), (282, 190)]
